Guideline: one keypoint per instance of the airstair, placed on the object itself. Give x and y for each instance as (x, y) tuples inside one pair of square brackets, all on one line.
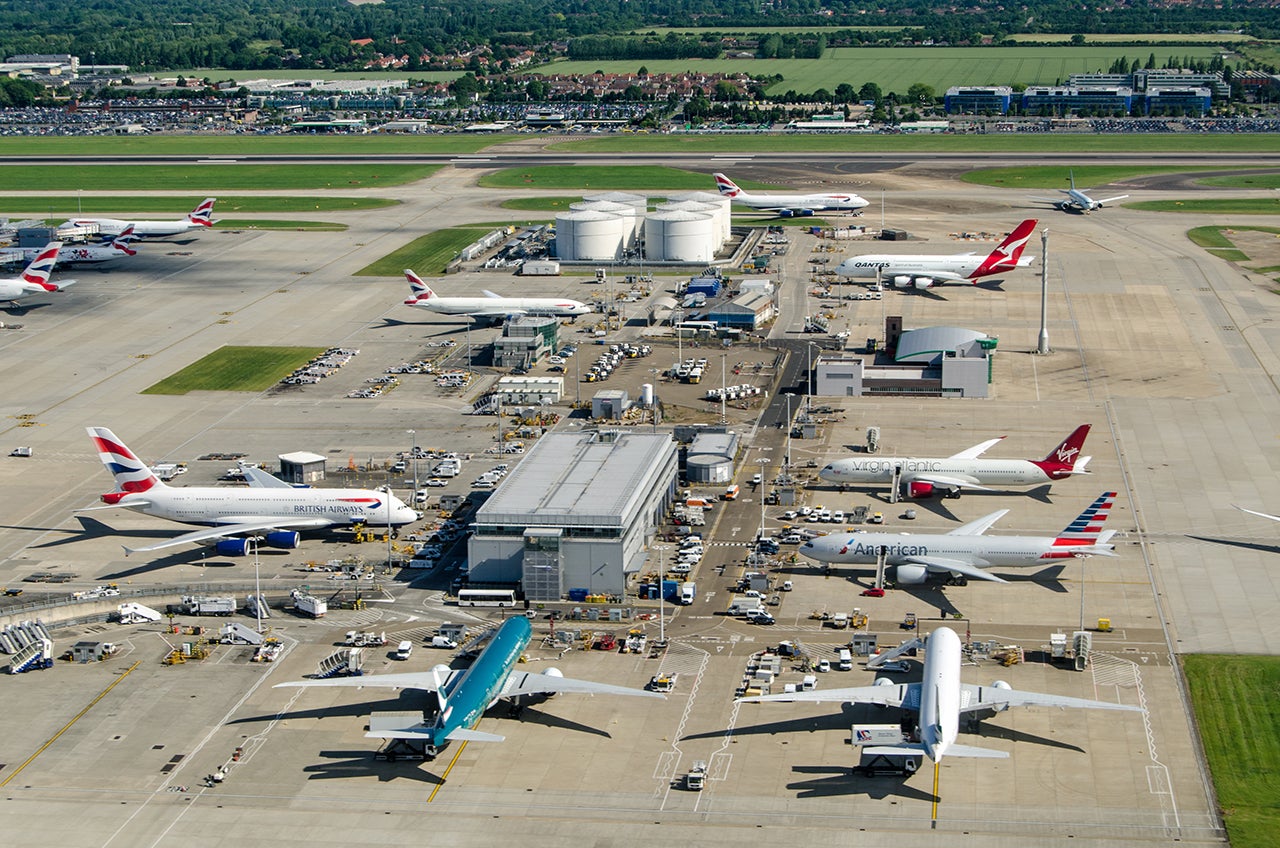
[(257, 606), (235, 633), (349, 661), (893, 653), (15, 637), (136, 613), (486, 404), (36, 654)]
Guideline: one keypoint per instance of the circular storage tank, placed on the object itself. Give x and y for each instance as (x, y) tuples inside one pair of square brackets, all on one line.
[(724, 218), (708, 468), (716, 211), (627, 213), (679, 236), (589, 236), (636, 201), (646, 395)]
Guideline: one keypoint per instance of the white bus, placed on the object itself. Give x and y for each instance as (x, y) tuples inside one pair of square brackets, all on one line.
[(486, 597)]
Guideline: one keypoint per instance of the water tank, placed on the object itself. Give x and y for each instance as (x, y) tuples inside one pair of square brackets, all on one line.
[(646, 395), (679, 236), (708, 468), (589, 236), (629, 214), (725, 217)]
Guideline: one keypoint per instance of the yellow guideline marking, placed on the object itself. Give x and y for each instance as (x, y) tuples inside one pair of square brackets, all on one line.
[(444, 777), (934, 823), (67, 726)]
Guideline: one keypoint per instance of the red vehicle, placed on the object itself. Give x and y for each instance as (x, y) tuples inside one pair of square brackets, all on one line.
[(873, 593)]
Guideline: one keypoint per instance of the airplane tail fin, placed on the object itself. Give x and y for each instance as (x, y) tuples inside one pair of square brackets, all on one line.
[(1066, 455), (727, 186), (421, 291), (203, 214), (1071, 176), (124, 241), (1007, 253), (1085, 536), (132, 474), (38, 271)]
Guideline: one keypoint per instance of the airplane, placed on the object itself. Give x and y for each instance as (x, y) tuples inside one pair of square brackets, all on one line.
[(198, 218), (121, 245), (463, 695), (924, 478), (231, 513), (1078, 199), (35, 277), (491, 306), (791, 205), (965, 552), (924, 271), (1259, 514), (939, 700)]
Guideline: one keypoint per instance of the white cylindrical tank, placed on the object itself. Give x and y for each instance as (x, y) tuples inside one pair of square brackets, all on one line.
[(715, 211), (629, 214), (636, 201), (646, 395), (724, 219), (679, 236), (589, 236)]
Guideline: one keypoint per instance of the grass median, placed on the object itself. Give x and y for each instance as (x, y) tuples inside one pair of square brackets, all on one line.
[(236, 369)]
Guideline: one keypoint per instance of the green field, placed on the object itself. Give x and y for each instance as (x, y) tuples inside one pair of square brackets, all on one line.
[(236, 369), (120, 205), (898, 68), (1269, 181), (1222, 206), (427, 255), (244, 145), (1145, 38), (590, 178), (206, 178), (1215, 241), (540, 204), (1237, 705), (1057, 177)]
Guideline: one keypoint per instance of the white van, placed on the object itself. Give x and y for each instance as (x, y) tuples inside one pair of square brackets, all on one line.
[(845, 660), (742, 606), (404, 650)]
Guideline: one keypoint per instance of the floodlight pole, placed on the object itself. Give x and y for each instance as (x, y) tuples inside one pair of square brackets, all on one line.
[(1043, 349)]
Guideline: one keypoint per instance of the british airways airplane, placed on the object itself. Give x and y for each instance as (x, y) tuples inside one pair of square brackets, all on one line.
[(463, 695), (121, 245), (35, 278), (791, 205), (275, 512), (491, 306), (197, 219)]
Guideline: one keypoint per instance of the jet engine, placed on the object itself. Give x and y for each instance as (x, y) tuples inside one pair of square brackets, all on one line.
[(553, 672), (231, 547), (884, 681), (924, 282), (902, 281), (912, 575), (1000, 684), (284, 539)]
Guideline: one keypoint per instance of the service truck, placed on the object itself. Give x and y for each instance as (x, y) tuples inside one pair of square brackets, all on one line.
[(687, 593)]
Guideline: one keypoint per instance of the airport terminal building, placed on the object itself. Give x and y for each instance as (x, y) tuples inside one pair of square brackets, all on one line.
[(577, 513)]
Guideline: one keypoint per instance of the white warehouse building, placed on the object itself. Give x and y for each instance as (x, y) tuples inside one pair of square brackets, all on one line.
[(576, 514)]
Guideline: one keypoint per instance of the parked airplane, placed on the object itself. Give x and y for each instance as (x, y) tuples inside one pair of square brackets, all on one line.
[(491, 306), (35, 278), (464, 695), (1078, 199), (923, 478), (121, 245), (1259, 514), (201, 216), (965, 552), (791, 205), (924, 271), (280, 512), (939, 700)]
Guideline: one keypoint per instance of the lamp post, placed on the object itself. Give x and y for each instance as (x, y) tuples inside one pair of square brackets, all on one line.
[(808, 377), (764, 462), (257, 583), (413, 452), (786, 457), (662, 607)]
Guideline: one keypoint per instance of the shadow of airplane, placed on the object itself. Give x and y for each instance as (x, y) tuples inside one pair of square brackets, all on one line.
[(349, 764), (1238, 543), (840, 781), (990, 285)]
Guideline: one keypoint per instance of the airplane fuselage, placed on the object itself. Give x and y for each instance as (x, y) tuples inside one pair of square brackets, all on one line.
[(211, 506), (496, 307), (66, 256), (816, 202), (887, 264), (468, 695), (994, 473), (144, 229), (904, 548), (939, 721)]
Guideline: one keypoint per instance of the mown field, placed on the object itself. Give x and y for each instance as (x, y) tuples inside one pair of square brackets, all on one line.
[(122, 205), (872, 143), (210, 178), (244, 145), (1237, 706), (592, 178), (236, 369), (1057, 177), (898, 68), (426, 255), (1215, 206)]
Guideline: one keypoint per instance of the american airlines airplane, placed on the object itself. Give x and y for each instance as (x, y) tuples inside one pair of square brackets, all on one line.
[(924, 478), (938, 701), (1078, 199), (278, 513), (35, 278), (491, 306), (198, 218), (121, 245), (924, 271), (791, 205), (464, 695), (965, 552)]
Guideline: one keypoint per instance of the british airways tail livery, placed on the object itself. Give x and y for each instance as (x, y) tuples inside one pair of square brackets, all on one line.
[(273, 515), (491, 306), (34, 279), (790, 205), (121, 245), (922, 271)]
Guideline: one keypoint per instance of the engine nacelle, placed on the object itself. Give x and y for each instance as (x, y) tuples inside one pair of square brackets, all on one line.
[(884, 681), (1000, 684), (924, 282), (920, 490), (555, 672), (805, 212), (785, 213), (231, 547), (283, 539), (902, 281), (912, 575)]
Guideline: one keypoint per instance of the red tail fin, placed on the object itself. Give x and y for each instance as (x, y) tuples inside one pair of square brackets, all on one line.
[(1005, 256), (1062, 460)]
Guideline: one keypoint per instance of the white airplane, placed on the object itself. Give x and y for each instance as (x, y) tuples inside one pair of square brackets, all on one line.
[(791, 205), (198, 218), (1078, 199), (35, 277), (924, 271), (923, 478), (121, 245), (491, 306), (278, 513), (965, 552), (939, 700), (1259, 514)]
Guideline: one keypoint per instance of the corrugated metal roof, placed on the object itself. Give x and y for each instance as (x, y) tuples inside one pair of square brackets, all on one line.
[(929, 343)]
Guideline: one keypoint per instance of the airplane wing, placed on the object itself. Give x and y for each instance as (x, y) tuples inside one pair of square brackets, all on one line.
[(425, 681), (417, 731), (973, 697), (1259, 514), (968, 569), (915, 748), (488, 293), (947, 482), (980, 526), (1110, 199), (497, 313), (260, 479), (226, 530), (977, 450), (532, 683), (905, 695)]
